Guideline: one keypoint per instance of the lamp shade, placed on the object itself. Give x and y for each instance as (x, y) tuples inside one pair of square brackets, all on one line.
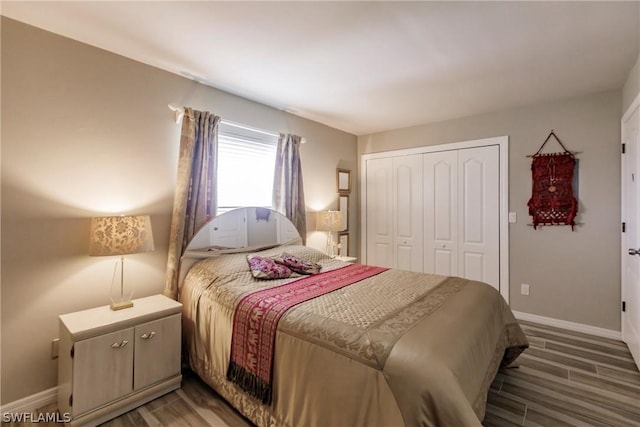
[(329, 221), (120, 235)]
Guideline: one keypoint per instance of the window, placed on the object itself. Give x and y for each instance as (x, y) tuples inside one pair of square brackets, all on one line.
[(246, 164)]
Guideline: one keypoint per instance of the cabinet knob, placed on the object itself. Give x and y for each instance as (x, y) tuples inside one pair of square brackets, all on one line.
[(119, 344), (148, 335)]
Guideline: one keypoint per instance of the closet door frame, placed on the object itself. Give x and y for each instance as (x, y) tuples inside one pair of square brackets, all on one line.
[(503, 147)]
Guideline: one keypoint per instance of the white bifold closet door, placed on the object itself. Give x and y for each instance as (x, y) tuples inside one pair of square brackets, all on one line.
[(441, 213), (408, 218), (436, 212), (461, 213), (380, 212), (394, 212)]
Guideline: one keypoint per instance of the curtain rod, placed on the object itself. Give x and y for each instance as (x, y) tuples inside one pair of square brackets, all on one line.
[(245, 127), (179, 111)]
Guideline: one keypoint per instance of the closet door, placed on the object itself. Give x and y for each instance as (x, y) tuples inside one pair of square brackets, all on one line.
[(379, 208), (479, 214), (407, 220), (441, 213)]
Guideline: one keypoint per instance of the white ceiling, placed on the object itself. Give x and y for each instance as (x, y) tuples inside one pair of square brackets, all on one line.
[(366, 66)]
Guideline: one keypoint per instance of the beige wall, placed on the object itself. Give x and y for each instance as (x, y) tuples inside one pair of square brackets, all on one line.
[(631, 87), (86, 132), (574, 276)]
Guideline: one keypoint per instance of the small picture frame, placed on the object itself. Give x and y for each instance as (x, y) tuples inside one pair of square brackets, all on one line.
[(343, 206), (343, 242), (343, 181)]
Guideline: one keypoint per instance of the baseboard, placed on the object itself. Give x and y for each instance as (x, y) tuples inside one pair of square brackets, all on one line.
[(571, 326), (31, 403)]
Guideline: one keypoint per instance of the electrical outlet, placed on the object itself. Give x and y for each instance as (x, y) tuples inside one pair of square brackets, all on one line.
[(524, 289), (54, 348)]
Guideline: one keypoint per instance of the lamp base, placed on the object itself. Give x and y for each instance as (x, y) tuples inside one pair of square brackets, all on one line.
[(331, 245), (121, 305)]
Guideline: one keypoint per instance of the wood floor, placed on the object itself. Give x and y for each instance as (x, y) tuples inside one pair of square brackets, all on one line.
[(567, 379), (564, 379)]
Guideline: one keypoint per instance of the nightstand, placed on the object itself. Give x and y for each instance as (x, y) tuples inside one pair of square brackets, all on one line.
[(349, 259), (113, 361)]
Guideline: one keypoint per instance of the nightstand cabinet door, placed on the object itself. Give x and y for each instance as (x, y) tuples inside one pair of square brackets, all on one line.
[(157, 351), (102, 369)]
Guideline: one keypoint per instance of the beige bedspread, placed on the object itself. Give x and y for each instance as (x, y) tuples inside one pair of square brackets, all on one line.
[(397, 349)]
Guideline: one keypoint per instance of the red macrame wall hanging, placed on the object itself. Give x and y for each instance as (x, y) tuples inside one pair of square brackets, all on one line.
[(552, 199)]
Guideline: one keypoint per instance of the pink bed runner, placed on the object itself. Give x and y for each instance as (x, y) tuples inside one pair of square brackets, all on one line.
[(256, 317)]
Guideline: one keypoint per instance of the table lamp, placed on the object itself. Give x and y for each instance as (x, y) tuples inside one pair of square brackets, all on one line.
[(120, 235), (331, 222)]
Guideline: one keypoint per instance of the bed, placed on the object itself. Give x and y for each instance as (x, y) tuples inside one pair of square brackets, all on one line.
[(397, 348)]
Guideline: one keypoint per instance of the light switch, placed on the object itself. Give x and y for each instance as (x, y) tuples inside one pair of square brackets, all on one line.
[(512, 217)]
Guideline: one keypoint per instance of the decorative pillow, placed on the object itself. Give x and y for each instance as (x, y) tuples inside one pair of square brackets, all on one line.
[(298, 265), (266, 268)]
